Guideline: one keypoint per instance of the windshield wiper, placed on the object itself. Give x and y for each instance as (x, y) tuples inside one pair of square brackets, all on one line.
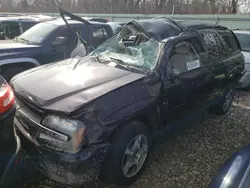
[(121, 62), (24, 40), (128, 66), (97, 58)]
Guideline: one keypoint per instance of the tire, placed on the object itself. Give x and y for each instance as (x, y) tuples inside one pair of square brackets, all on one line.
[(113, 170), (9, 73), (225, 103)]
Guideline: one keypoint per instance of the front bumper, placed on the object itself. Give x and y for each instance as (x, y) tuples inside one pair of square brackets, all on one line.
[(71, 169)]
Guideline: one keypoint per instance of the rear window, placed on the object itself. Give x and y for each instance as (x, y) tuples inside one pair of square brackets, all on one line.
[(214, 45), (244, 40), (230, 41)]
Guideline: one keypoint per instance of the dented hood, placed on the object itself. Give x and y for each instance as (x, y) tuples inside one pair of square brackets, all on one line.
[(68, 85)]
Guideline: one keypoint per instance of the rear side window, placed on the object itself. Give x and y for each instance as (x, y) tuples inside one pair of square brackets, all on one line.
[(244, 40), (214, 45), (230, 42)]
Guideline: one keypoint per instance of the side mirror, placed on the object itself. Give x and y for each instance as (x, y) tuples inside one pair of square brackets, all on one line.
[(235, 172), (59, 41)]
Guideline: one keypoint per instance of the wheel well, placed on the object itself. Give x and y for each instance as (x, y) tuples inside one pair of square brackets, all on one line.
[(146, 119), (27, 65)]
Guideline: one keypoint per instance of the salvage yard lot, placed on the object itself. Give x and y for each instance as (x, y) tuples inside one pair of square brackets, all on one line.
[(190, 157)]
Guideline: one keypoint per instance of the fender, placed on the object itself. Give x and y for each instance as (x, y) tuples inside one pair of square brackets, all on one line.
[(147, 108), (19, 60)]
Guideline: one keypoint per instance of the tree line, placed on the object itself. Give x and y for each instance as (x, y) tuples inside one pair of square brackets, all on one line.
[(126, 6)]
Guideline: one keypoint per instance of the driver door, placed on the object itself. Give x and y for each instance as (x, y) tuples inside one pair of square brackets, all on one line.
[(188, 78), (57, 52)]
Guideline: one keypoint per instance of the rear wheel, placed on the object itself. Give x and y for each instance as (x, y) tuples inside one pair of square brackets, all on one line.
[(128, 155), (224, 105)]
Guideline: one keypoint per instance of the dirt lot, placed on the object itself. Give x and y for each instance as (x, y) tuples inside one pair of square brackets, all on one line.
[(190, 157)]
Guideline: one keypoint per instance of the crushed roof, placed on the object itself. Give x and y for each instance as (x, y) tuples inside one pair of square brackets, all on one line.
[(161, 28)]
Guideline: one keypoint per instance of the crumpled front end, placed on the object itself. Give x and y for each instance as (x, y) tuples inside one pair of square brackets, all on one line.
[(55, 161), (71, 169)]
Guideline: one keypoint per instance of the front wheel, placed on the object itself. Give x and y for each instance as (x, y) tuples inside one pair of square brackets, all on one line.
[(223, 106), (128, 155)]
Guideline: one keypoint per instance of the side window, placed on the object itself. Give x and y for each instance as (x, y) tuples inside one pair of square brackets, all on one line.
[(229, 40), (70, 37), (214, 45), (100, 35), (78, 30), (11, 29), (183, 58)]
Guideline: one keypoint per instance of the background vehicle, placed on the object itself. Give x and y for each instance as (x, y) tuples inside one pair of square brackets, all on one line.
[(116, 26), (106, 108), (14, 25), (235, 172), (48, 42), (244, 39)]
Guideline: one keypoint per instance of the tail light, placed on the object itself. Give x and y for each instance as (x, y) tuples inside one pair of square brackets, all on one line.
[(6, 98)]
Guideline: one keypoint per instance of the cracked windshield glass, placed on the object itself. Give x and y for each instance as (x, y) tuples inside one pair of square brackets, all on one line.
[(131, 48), (124, 93)]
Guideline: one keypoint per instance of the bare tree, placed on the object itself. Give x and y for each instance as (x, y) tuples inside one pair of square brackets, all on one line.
[(125, 6)]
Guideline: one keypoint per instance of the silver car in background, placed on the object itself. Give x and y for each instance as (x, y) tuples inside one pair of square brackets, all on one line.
[(244, 39)]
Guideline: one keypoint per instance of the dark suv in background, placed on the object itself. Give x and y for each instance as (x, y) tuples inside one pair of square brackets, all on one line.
[(48, 42), (12, 26), (97, 116)]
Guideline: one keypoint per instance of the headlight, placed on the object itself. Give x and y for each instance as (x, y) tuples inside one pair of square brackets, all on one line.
[(68, 134)]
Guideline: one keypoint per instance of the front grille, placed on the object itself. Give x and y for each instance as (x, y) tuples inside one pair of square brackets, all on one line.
[(30, 124)]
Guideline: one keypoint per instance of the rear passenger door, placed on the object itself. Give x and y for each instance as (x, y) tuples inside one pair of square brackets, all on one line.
[(235, 56), (217, 57), (222, 57)]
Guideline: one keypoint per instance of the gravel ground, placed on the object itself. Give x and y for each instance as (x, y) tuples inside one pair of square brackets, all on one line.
[(191, 157)]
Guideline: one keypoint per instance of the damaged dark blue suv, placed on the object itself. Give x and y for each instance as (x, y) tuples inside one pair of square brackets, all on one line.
[(97, 116)]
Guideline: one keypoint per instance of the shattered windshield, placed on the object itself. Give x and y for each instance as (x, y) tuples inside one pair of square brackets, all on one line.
[(131, 48)]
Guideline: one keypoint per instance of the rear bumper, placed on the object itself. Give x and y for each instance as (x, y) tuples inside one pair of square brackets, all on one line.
[(70, 169)]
